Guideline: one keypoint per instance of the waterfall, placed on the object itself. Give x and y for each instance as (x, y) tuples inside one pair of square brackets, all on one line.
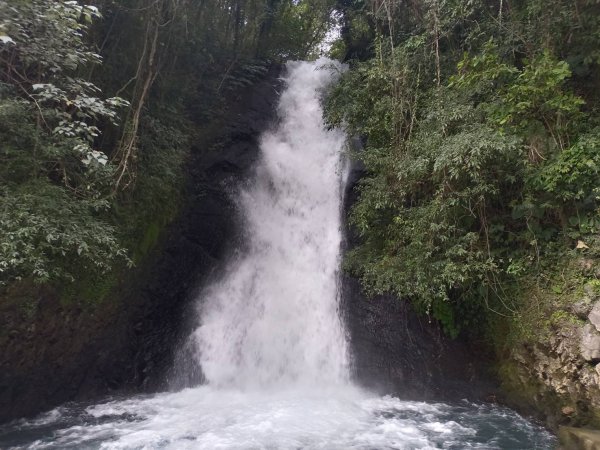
[(273, 319), (271, 342)]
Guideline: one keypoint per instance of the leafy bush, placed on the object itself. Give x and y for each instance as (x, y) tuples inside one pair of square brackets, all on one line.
[(43, 231), (54, 181)]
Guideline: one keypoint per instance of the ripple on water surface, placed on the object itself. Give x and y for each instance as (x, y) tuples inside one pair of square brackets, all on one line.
[(207, 418)]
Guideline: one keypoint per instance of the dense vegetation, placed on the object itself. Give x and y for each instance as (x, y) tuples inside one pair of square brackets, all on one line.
[(479, 118), (98, 106), (481, 134), (480, 123)]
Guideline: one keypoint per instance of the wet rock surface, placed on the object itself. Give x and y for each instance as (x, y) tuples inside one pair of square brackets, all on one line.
[(557, 378), (394, 350), (54, 352), (397, 351)]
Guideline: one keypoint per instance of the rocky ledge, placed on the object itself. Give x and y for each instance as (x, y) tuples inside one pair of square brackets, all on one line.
[(556, 375)]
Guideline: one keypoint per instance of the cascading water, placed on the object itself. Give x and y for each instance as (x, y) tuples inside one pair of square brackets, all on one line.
[(273, 319), (271, 343)]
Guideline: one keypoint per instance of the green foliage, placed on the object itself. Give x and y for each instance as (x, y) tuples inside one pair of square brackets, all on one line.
[(480, 156), (77, 183), (53, 180), (155, 201), (298, 28), (43, 230), (530, 102), (41, 54), (572, 176), (423, 211)]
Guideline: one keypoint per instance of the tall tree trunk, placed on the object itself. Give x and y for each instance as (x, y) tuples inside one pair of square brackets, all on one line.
[(146, 73)]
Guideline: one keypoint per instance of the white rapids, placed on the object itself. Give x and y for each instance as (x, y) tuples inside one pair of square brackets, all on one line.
[(271, 343)]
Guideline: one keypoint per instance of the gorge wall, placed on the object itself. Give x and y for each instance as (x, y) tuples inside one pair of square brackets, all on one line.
[(56, 351), (395, 350), (554, 372)]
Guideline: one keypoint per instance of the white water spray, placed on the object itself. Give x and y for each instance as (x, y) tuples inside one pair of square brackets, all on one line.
[(274, 320)]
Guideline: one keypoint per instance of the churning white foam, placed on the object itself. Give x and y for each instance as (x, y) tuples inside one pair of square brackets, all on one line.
[(205, 418)]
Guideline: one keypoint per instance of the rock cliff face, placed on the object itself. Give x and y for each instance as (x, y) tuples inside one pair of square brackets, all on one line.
[(53, 351), (556, 375), (396, 351)]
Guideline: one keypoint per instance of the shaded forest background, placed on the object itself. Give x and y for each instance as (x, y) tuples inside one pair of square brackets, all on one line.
[(98, 106)]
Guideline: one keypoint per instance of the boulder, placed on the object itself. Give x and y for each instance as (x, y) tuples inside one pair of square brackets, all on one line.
[(594, 315), (590, 343), (581, 308), (591, 290)]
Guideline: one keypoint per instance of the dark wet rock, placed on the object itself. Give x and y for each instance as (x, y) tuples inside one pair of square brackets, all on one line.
[(397, 351), (53, 352)]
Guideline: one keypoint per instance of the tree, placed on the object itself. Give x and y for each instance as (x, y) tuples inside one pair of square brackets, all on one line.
[(479, 146), (53, 179)]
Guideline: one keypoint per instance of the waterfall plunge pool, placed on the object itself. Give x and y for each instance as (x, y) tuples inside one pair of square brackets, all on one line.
[(205, 418)]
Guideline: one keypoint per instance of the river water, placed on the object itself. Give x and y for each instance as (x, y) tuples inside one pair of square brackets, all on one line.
[(271, 343)]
